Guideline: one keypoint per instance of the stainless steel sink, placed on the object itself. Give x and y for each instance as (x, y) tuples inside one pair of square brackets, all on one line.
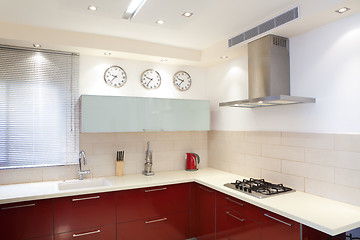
[(79, 184)]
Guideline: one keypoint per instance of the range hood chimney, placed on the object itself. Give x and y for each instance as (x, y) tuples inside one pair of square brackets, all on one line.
[(268, 75)]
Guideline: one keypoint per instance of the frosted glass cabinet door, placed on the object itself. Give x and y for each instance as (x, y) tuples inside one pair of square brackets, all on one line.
[(136, 114), (110, 114), (178, 115)]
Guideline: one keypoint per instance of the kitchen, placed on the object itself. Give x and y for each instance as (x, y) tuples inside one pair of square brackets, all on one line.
[(312, 148)]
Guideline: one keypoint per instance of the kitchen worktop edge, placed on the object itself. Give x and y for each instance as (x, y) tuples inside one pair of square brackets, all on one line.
[(326, 215)]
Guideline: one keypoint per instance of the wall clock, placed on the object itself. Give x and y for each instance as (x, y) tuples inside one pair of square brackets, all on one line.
[(115, 76), (182, 80), (150, 79)]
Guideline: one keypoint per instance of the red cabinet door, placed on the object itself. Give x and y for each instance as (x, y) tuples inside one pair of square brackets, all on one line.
[(202, 224), (98, 233), (51, 237), (280, 228), (85, 211), (26, 220), (151, 202), (165, 227), (313, 234), (232, 225)]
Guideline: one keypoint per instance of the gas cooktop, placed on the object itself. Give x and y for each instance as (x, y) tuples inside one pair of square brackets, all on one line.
[(259, 187)]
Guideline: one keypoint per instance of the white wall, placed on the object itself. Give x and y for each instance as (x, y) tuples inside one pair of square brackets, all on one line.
[(92, 79), (325, 64)]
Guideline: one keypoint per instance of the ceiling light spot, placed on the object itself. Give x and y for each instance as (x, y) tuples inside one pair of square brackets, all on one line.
[(342, 10), (37, 45), (224, 57), (187, 14), (160, 21), (107, 53), (92, 8), (164, 60)]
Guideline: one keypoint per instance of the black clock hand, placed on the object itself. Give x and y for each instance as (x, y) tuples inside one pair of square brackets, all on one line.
[(180, 80), (113, 78), (149, 81)]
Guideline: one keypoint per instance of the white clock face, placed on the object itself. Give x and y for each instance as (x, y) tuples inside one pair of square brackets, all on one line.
[(182, 80), (150, 79), (115, 76)]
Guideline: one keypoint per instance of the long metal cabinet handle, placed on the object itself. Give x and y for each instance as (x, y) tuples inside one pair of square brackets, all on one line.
[(19, 206), (206, 189), (229, 199), (157, 220), (157, 189), (267, 215), (228, 213), (88, 233), (87, 198)]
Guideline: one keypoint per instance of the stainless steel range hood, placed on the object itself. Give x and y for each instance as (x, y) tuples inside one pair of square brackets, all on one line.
[(268, 75)]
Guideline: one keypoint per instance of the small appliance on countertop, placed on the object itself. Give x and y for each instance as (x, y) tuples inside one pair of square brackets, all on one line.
[(192, 161), (258, 187)]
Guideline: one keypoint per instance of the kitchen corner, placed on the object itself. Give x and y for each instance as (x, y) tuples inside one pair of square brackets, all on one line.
[(304, 208)]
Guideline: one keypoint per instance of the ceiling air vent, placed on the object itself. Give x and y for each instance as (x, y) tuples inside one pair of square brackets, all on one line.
[(266, 26)]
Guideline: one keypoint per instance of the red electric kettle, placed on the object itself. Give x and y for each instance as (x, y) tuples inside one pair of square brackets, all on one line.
[(192, 161)]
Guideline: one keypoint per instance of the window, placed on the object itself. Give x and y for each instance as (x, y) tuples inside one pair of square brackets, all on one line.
[(38, 107)]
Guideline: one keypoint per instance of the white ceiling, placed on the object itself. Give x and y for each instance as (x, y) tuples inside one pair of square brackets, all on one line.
[(201, 40), (212, 22)]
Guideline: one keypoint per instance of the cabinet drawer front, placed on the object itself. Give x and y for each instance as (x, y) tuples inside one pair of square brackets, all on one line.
[(98, 233), (164, 227), (26, 219), (277, 227), (85, 211), (232, 225), (240, 206), (150, 202)]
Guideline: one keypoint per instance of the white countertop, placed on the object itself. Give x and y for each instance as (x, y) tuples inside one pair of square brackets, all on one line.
[(329, 216)]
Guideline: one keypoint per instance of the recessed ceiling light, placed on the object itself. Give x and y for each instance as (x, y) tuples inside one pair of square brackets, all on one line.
[(164, 60), (342, 10), (224, 57), (107, 53), (92, 8), (37, 45), (160, 21), (187, 14)]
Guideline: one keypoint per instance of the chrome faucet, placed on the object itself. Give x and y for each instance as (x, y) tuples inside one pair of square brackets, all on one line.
[(81, 172), (148, 162)]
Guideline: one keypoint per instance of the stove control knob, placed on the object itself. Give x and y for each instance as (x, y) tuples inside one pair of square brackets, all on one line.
[(249, 191), (241, 187), (245, 189)]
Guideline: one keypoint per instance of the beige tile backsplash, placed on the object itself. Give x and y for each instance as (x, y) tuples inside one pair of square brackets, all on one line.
[(322, 164), (327, 165), (168, 149)]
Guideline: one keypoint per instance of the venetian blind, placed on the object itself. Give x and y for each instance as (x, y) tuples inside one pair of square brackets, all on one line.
[(38, 107)]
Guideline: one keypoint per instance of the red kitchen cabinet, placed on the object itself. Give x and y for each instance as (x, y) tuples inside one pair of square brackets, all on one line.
[(107, 232), (51, 237), (232, 225), (202, 223), (152, 202), (313, 234), (280, 228), (26, 220), (165, 227), (84, 211)]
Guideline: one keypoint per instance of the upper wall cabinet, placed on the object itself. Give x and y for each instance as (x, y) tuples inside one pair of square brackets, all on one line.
[(137, 114)]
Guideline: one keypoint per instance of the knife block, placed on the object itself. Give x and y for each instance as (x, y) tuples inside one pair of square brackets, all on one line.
[(119, 168)]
